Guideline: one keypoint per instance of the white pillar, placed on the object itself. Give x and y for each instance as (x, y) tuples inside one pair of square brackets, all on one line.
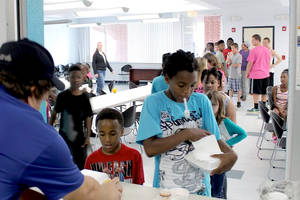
[(293, 142)]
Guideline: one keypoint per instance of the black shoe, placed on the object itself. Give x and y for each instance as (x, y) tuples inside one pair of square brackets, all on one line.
[(238, 104)]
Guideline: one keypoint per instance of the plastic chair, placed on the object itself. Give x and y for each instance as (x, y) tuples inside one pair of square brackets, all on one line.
[(266, 127), (126, 68), (132, 85), (270, 97), (111, 85), (280, 145), (129, 116)]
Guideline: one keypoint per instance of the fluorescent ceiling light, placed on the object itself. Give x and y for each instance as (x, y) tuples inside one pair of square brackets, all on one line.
[(63, 6), (83, 25), (63, 21), (101, 12), (135, 17), (161, 20)]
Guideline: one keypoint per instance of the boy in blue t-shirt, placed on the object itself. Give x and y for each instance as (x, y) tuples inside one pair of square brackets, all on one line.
[(166, 132)]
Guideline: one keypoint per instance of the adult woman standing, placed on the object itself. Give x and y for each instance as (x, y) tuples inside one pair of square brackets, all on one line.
[(100, 64)]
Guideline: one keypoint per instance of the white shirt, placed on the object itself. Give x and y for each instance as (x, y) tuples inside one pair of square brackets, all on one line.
[(102, 54)]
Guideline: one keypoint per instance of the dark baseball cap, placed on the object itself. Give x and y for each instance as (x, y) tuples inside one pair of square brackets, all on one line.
[(28, 60)]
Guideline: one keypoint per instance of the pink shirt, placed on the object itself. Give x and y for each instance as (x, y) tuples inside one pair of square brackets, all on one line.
[(260, 57)]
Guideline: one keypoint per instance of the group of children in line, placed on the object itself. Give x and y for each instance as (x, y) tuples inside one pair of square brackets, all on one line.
[(164, 130)]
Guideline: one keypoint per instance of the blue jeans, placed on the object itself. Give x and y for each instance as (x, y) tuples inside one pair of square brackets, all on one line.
[(100, 80), (219, 186)]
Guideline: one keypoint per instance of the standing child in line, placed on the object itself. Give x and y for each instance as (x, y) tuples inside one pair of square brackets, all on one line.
[(159, 83), (115, 158), (244, 80), (166, 131), (76, 112), (234, 76), (230, 132)]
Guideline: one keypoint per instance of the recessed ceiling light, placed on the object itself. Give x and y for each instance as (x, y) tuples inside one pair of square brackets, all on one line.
[(102, 12), (136, 17), (161, 20)]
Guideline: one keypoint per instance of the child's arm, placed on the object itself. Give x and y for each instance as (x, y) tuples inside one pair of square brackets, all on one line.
[(228, 158), (274, 94), (233, 129), (278, 59), (53, 117), (236, 65), (249, 67), (155, 146), (231, 112), (88, 122), (239, 62)]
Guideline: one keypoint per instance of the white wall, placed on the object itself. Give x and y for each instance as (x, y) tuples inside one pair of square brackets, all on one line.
[(281, 38), (148, 42), (67, 45), (3, 22)]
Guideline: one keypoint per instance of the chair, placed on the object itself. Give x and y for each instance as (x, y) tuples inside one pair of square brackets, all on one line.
[(270, 97), (132, 85), (129, 116), (111, 85), (266, 127), (280, 145), (126, 69)]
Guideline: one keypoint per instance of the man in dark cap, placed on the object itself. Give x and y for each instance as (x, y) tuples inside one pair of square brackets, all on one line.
[(32, 153)]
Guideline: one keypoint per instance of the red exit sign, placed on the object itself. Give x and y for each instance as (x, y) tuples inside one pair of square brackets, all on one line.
[(284, 28)]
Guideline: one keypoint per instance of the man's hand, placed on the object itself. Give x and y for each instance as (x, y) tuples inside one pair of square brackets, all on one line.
[(111, 190), (96, 75), (86, 142), (112, 72), (227, 162), (195, 134)]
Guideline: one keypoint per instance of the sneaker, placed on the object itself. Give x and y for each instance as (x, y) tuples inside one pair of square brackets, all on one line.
[(238, 104), (253, 110)]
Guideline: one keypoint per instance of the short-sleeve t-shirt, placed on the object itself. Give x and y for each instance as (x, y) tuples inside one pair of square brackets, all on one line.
[(162, 117), (245, 55), (260, 57), (32, 154), (235, 72), (159, 84), (220, 57), (126, 163), (74, 111)]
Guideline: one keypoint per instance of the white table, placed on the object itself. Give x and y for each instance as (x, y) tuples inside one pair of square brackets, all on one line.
[(119, 98), (138, 192)]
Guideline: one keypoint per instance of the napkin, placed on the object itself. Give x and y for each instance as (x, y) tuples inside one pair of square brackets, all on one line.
[(98, 176), (201, 158)]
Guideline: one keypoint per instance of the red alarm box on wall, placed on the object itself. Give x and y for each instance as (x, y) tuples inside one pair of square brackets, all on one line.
[(233, 30)]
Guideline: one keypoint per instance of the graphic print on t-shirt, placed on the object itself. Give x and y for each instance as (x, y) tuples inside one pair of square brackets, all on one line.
[(120, 169), (175, 171)]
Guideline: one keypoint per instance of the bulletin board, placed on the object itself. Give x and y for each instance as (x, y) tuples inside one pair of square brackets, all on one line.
[(263, 31)]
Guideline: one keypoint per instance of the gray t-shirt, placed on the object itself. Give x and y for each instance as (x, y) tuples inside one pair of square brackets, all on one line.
[(221, 59), (235, 72)]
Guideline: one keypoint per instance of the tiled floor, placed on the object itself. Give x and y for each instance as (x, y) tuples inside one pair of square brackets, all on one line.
[(249, 172)]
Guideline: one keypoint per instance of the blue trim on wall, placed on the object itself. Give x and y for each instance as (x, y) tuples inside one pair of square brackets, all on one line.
[(35, 20), (35, 31)]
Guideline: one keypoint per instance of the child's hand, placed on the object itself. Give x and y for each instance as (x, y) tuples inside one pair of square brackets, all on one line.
[(111, 190), (195, 134), (227, 161)]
